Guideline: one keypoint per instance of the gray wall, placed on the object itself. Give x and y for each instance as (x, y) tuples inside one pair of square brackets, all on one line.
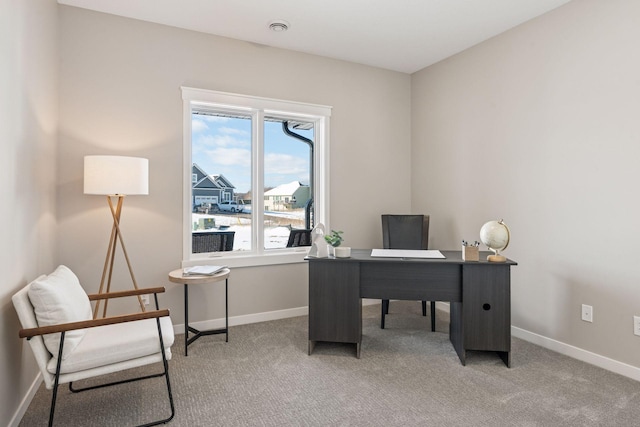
[(28, 126), (540, 126)]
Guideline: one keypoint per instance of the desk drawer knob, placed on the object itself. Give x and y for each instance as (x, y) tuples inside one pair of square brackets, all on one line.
[(486, 306)]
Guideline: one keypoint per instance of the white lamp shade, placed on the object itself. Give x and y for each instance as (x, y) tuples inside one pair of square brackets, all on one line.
[(108, 175)]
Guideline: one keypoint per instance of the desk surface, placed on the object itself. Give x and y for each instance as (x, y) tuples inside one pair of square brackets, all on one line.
[(451, 257)]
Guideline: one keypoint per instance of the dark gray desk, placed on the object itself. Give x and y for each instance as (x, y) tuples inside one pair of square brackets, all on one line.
[(479, 293)]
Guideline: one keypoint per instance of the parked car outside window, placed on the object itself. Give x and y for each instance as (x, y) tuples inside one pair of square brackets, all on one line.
[(230, 206)]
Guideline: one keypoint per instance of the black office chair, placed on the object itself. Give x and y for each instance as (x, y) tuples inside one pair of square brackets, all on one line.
[(406, 232), (212, 241), (299, 237)]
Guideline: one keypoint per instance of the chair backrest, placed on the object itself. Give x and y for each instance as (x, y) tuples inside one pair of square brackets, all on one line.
[(405, 231), (212, 241), (299, 237)]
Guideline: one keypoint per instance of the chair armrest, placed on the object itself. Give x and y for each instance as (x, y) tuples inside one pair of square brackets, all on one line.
[(132, 292), (64, 327)]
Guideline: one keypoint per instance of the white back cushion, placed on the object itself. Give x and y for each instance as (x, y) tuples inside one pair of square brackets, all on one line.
[(59, 298)]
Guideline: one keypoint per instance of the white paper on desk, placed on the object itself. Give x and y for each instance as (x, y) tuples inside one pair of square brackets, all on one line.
[(203, 270), (406, 253)]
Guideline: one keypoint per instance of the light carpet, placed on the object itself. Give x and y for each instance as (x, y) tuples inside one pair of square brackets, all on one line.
[(407, 376)]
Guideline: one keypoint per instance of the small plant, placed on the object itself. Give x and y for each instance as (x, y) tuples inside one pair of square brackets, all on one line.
[(334, 239)]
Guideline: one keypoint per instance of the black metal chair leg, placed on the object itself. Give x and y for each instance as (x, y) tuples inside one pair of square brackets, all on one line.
[(424, 308), (433, 316), (56, 381)]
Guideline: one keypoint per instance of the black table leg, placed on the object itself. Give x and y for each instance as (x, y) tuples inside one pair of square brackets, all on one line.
[(226, 309), (198, 333), (186, 319)]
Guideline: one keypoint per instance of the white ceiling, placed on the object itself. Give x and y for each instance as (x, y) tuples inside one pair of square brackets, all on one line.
[(401, 35)]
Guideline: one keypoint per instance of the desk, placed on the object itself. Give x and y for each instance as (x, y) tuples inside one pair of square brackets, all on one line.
[(479, 293), (176, 277)]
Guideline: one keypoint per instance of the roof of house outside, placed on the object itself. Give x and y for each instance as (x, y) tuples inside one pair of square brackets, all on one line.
[(285, 189)]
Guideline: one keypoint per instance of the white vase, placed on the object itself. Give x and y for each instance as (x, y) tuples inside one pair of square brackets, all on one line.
[(343, 252)]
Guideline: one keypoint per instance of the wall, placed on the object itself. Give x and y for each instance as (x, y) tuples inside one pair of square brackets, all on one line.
[(28, 119), (120, 93), (539, 126)]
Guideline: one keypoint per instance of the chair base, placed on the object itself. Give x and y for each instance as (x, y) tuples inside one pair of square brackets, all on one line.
[(165, 374), (385, 311), (130, 380)]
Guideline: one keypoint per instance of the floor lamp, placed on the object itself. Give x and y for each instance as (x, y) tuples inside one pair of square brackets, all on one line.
[(115, 177)]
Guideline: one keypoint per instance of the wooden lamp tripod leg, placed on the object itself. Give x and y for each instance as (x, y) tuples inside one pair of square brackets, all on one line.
[(107, 271)]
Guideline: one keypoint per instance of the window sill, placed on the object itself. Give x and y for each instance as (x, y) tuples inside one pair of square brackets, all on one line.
[(239, 260)]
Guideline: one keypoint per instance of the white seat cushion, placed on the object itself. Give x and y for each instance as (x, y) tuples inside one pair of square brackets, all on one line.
[(59, 298), (105, 345)]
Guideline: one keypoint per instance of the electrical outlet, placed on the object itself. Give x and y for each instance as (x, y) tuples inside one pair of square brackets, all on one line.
[(587, 313), (636, 325), (145, 299)]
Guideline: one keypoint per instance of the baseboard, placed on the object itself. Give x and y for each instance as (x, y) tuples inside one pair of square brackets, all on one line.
[(26, 401), (178, 328), (578, 353)]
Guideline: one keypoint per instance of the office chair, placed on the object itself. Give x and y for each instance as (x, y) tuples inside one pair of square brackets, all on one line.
[(406, 232), (212, 241), (299, 237)]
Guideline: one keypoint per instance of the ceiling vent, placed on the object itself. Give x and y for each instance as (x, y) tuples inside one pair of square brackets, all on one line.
[(279, 26)]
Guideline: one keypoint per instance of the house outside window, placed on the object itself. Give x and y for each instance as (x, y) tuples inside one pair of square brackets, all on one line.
[(243, 146)]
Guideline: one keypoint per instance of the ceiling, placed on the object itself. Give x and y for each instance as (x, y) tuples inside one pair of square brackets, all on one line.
[(400, 35)]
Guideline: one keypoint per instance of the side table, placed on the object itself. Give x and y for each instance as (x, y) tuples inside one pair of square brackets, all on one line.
[(176, 276)]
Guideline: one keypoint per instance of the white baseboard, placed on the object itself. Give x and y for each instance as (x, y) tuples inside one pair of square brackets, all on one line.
[(603, 362), (578, 353), (178, 328), (26, 401)]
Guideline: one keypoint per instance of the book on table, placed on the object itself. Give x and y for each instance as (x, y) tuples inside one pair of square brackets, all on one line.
[(203, 270)]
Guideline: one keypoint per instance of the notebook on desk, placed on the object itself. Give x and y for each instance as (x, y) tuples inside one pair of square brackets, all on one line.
[(406, 253)]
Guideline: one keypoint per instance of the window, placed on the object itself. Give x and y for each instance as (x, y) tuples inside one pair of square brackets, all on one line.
[(266, 162)]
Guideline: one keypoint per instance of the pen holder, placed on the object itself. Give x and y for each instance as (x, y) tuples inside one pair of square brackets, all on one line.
[(470, 253)]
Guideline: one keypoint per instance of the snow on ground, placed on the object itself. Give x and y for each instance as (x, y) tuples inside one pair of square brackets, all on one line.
[(274, 237)]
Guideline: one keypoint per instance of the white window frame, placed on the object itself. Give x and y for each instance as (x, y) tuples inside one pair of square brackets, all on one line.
[(258, 107)]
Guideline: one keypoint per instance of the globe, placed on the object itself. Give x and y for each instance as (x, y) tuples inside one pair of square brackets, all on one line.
[(496, 235)]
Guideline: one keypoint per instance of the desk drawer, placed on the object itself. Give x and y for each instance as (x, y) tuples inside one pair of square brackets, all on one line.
[(409, 281)]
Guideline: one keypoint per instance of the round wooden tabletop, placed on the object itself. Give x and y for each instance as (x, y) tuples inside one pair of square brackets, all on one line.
[(176, 276)]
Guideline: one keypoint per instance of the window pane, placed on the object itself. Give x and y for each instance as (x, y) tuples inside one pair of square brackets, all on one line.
[(287, 179), (221, 188)]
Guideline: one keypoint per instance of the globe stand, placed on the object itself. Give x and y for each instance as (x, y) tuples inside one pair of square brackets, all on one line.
[(496, 258)]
